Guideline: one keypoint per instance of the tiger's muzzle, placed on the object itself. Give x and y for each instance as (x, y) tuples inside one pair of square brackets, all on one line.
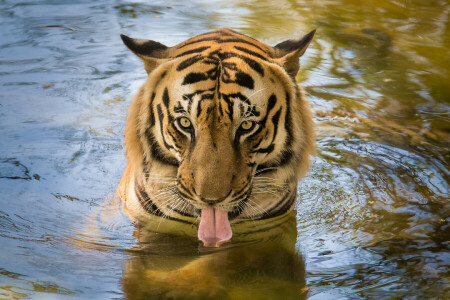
[(210, 175)]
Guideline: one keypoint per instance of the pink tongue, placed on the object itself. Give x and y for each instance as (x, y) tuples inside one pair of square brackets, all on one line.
[(214, 227)]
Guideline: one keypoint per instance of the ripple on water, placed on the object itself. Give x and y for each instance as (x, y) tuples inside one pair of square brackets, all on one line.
[(370, 212), (372, 215)]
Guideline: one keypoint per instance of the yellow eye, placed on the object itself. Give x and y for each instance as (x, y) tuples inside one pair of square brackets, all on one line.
[(247, 125), (184, 122)]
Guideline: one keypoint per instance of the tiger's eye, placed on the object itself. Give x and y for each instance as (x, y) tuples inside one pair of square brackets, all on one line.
[(184, 122), (247, 125)]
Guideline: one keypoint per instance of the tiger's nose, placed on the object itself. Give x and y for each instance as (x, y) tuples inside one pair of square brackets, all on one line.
[(215, 201)]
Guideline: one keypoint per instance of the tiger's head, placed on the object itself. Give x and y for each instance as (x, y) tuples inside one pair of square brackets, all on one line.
[(219, 129)]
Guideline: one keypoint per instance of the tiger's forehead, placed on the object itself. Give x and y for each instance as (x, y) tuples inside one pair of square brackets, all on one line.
[(222, 39), (222, 73)]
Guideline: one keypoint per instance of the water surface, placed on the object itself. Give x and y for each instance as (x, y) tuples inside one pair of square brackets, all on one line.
[(372, 220)]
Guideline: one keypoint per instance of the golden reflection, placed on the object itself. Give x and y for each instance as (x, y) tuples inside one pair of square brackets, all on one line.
[(373, 215), (261, 261), (388, 59)]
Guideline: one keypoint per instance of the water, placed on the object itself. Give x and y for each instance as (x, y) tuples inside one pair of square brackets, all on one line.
[(372, 215)]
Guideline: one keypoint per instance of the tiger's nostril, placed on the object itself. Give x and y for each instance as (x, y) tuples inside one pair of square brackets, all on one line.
[(210, 202), (214, 201)]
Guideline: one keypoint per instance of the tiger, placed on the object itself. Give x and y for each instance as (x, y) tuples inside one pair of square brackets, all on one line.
[(220, 131)]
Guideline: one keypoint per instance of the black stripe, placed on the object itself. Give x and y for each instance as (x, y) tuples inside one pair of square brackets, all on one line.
[(199, 109), (182, 213), (238, 40), (179, 108), (151, 207), (280, 207), (264, 167), (166, 98), (152, 114), (189, 62), (271, 104), (196, 50), (242, 196), (183, 194), (288, 122), (157, 153), (285, 208), (218, 40), (240, 191), (267, 150), (189, 97), (275, 120), (253, 110), (253, 137), (146, 202), (237, 210), (250, 52), (286, 156), (161, 118), (238, 95), (229, 103), (244, 80), (174, 138), (208, 96), (198, 92), (199, 103), (253, 64), (187, 192), (192, 78), (215, 38)]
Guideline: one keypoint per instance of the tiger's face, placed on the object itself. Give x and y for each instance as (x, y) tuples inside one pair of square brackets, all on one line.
[(222, 124), (217, 113)]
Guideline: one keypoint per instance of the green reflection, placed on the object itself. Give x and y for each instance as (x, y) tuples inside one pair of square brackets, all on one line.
[(373, 215), (386, 58), (261, 261)]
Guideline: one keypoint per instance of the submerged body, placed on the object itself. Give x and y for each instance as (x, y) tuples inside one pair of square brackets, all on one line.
[(261, 261), (219, 131)]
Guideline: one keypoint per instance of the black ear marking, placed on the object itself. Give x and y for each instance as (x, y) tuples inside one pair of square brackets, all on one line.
[(289, 52), (151, 52), (144, 48), (294, 45)]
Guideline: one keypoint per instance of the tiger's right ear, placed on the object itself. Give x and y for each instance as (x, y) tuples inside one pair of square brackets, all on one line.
[(151, 52)]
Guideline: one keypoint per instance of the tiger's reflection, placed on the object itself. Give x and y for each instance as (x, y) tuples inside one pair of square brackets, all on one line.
[(261, 262)]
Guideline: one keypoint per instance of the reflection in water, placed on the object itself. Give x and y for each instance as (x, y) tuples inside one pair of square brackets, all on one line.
[(262, 261), (372, 216)]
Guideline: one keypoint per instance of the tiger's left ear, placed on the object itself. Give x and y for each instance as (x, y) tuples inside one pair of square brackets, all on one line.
[(151, 52), (290, 51)]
